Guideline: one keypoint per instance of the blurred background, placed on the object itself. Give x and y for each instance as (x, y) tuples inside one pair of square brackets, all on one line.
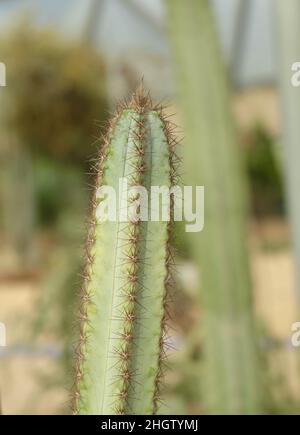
[(67, 64)]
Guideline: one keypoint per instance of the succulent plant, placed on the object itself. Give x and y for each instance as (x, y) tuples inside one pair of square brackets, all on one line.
[(230, 378), (119, 364)]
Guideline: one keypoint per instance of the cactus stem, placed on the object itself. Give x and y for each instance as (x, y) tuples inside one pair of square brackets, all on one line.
[(128, 272)]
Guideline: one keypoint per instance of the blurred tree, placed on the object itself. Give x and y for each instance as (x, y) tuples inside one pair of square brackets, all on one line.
[(56, 92)]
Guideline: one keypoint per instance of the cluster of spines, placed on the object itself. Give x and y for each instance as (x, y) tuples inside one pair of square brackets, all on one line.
[(141, 103)]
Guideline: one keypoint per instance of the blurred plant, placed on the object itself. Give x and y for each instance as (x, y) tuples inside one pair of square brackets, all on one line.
[(230, 375), (120, 355), (56, 90), (264, 172), (17, 200), (59, 192), (289, 54), (61, 209), (56, 306)]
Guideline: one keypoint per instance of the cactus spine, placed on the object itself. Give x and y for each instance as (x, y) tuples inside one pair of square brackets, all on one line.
[(120, 355), (230, 379)]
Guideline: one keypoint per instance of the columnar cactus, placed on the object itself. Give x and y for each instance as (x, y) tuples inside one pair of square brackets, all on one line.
[(231, 382), (120, 355), (289, 52)]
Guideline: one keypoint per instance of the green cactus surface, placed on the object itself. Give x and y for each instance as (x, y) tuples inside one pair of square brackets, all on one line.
[(230, 369), (123, 321)]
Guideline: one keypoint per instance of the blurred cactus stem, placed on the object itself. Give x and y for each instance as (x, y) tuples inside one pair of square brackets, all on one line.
[(120, 356), (230, 381), (288, 13), (17, 202)]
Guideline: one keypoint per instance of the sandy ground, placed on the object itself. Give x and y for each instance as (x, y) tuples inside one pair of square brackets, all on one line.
[(276, 307)]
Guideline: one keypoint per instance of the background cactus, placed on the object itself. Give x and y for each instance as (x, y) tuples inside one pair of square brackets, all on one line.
[(230, 382), (119, 363), (289, 50)]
